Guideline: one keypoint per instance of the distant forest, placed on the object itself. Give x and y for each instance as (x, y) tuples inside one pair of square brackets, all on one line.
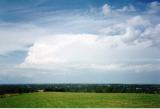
[(98, 88)]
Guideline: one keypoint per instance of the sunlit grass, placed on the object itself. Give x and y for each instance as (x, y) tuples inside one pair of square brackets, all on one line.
[(57, 99)]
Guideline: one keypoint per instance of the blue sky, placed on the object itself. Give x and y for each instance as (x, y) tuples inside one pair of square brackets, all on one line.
[(79, 41)]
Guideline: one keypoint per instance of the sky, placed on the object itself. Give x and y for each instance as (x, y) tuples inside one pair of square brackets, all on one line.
[(80, 41)]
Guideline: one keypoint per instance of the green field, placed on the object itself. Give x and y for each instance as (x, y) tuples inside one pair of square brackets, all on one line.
[(66, 99)]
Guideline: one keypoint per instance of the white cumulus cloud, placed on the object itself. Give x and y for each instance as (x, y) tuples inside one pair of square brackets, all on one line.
[(106, 9)]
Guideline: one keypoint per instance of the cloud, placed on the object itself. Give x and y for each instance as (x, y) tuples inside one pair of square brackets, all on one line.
[(101, 73), (143, 31), (154, 7), (67, 48), (134, 31), (107, 68), (133, 38), (18, 36), (82, 43), (83, 50), (133, 35), (22, 35), (129, 8), (75, 48), (106, 9), (138, 68), (138, 21)]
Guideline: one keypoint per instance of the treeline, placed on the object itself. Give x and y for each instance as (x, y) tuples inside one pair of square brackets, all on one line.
[(98, 88)]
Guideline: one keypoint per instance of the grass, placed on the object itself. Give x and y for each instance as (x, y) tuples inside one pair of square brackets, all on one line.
[(69, 100)]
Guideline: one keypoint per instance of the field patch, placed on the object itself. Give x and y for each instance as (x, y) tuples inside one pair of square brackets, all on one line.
[(67, 99)]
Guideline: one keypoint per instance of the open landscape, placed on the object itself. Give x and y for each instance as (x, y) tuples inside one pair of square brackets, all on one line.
[(79, 53), (81, 100), (79, 95)]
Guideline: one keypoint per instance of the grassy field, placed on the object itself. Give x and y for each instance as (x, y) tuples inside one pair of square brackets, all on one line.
[(58, 99)]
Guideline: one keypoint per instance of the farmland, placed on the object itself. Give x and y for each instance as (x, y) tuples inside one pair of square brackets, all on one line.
[(72, 99)]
